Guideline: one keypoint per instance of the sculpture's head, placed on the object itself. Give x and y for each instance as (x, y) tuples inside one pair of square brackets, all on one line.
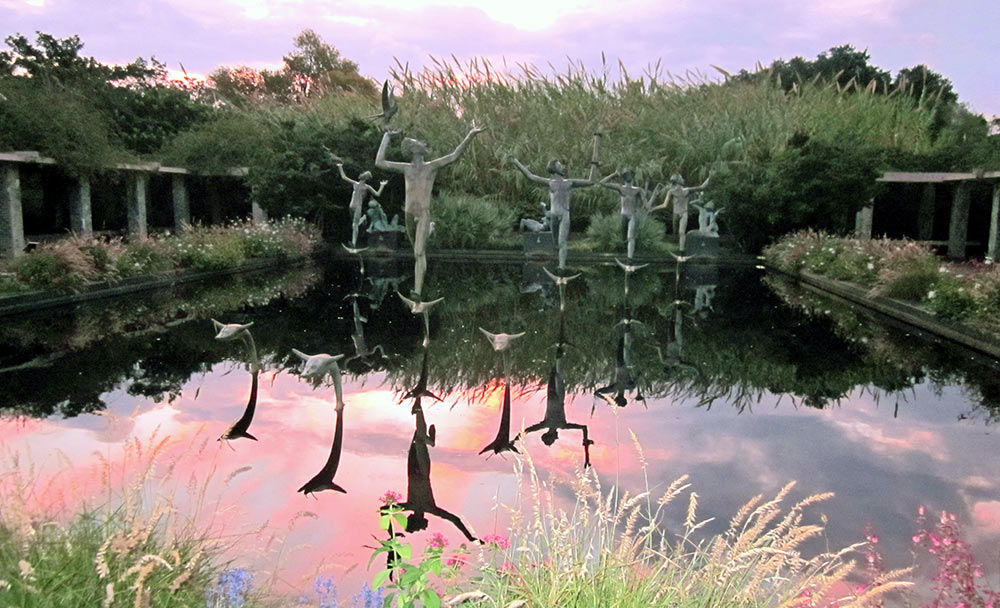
[(620, 400), (416, 522), (230, 331), (367, 175), (549, 437), (556, 167), (676, 179), (627, 175), (372, 204), (414, 147), (709, 205)]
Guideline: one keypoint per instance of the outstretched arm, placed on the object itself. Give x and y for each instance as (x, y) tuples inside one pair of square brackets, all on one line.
[(379, 191), (455, 519), (703, 184), (380, 160), (447, 159), (606, 182), (343, 176), (667, 200), (527, 173)]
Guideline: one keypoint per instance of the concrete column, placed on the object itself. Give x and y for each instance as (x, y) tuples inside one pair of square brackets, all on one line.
[(182, 205), (214, 204), (81, 219), (925, 215), (958, 226), (863, 222), (993, 245), (138, 186), (257, 213), (11, 220)]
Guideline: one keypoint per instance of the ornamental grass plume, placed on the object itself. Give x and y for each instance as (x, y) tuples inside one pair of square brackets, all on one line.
[(136, 549), (619, 549)]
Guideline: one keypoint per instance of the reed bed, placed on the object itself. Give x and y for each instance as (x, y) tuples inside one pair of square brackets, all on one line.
[(622, 549)]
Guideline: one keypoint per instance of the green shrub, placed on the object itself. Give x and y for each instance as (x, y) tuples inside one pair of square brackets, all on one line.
[(469, 222), (210, 252), (60, 265), (604, 233), (145, 256), (951, 298), (909, 271)]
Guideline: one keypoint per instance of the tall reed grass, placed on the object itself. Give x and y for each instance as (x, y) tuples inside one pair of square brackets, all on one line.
[(622, 549)]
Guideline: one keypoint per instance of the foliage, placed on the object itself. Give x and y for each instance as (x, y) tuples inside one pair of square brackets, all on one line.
[(815, 185), (958, 581), (138, 105), (233, 139), (408, 582), (73, 262), (464, 221), (134, 552), (604, 233), (951, 298), (312, 70), (616, 548)]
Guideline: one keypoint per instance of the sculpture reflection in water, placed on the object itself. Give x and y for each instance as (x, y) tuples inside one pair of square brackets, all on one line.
[(555, 401), (624, 380), (636, 204), (419, 177), (362, 352), (422, 309), (315, 369), (503, 441), (234, 331)]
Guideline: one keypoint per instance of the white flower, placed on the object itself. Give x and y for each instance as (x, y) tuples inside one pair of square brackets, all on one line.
[(871, 266), (931, 294)]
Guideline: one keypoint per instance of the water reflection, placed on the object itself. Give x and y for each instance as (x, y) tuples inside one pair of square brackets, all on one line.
[(316, 368), (840, 401)]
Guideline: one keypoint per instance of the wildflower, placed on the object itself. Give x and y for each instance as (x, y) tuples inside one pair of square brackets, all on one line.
[(456, 560), (438, 541), (391, 498), (4, 585), (930, 296), (501, 542)]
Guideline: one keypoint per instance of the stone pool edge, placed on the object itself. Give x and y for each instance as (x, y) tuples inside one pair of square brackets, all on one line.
[(901, 311), (39, 300)]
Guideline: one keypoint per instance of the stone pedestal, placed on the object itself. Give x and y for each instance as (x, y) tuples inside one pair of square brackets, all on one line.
[(696, 243), (11, 218), (383, 241), (863, 222), (993, 244), (538, 244)]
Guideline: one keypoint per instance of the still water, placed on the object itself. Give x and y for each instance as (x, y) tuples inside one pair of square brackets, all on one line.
[(739, 379)]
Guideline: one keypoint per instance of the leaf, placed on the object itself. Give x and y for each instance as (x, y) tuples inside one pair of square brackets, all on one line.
[(380, 578), (405, 551), (431, 598)]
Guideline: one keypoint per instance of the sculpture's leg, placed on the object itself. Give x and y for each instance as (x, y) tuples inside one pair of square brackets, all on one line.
[(682, 230), (355, 224), (422, 230), (563, 239), (630, 236), (411, 227), (625, 221)]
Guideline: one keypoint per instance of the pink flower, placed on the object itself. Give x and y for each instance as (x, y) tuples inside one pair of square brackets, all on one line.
[(456, 560), (391, 498), (438, 541), (501, 542)]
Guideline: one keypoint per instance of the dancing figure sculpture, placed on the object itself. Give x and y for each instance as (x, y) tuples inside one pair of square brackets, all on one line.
[(359, 192), (419, 177), (677, 199), (636, 203)]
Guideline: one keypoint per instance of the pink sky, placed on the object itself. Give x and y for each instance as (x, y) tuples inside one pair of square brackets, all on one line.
[(956, 39)]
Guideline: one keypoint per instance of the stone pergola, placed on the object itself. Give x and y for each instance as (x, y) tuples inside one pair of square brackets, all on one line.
[(12, 240), (958, 224)]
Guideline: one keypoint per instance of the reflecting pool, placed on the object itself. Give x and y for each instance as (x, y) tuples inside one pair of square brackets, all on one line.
[(742, 380)]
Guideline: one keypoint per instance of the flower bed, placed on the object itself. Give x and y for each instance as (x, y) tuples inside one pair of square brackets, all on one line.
[(967, 292), (77, 261)]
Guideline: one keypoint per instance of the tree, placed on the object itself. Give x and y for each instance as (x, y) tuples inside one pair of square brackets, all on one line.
[(925, 85), (312, 70)]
